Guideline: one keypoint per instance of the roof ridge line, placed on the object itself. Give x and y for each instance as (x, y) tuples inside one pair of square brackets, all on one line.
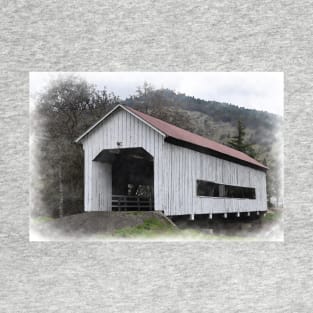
[(257, 163)]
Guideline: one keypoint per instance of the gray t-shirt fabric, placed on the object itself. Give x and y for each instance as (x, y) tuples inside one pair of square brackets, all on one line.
[(213, 276)]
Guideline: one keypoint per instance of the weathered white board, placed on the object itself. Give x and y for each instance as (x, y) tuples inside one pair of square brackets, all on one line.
[(176, 170)]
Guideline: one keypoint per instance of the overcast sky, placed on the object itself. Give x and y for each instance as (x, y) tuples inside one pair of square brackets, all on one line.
[(256, 90)]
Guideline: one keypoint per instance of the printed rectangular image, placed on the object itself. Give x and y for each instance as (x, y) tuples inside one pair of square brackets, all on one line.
[(156, 156)]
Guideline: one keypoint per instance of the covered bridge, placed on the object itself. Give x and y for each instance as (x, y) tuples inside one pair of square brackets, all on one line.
[(135, 161)]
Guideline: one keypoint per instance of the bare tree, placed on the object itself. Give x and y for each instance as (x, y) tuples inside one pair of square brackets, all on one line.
[(66, 108)]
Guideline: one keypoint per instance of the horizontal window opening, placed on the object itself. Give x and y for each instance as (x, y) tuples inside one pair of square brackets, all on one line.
[(210, 189)]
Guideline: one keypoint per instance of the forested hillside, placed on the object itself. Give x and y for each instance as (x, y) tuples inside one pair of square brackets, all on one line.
[(212, 119)]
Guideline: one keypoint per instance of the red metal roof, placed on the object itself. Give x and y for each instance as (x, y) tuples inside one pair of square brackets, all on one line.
[(188, 137)]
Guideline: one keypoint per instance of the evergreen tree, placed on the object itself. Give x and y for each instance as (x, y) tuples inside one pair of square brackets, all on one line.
[(239, 142)]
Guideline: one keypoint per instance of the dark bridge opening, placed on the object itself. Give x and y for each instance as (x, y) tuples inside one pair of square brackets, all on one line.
[(132, 179)]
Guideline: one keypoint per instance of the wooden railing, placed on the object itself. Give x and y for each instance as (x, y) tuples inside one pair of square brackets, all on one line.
[(131, 203)]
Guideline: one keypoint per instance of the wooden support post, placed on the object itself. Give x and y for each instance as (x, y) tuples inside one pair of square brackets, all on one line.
[(225, 215), (192, 217)]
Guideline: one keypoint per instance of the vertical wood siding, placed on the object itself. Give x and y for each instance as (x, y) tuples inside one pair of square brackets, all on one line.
[(119, 127), (101, 186), (176, 170), (187, 166)]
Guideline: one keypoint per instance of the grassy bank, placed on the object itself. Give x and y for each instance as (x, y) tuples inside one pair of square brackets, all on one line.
[(154, 228), (271, 216), (151, 227)]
